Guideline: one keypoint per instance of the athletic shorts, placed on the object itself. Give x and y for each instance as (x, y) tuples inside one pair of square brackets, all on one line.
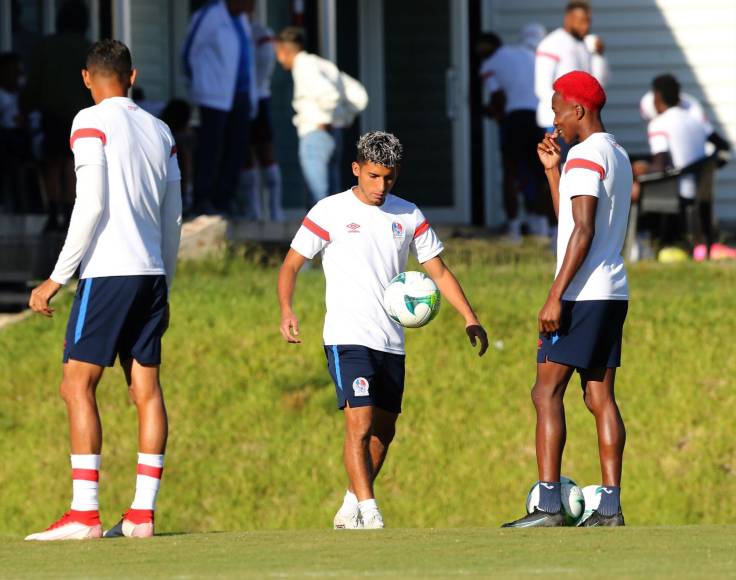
[(117, 316), (365, 377), (261, 128), (589, 336)]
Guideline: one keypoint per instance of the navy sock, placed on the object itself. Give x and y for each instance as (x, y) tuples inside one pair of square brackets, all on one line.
[(550, 496), (610, 500)]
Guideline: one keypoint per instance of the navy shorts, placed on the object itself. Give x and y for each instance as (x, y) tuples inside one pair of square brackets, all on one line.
[(117, 315), (365, 377), (589, 336)]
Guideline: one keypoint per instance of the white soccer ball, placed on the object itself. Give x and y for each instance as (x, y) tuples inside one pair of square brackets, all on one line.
[(592, 497), (572, 499), (411, 299)]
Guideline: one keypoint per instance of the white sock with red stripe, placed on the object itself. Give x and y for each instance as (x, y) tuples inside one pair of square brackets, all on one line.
[(85, 484), (147, 484)]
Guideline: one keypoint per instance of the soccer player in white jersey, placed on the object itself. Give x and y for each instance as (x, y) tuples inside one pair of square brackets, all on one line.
[(365, 235), (564, 50), (124, 232), (581, 323)]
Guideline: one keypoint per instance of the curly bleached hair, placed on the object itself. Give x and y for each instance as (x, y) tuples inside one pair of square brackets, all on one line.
[(380, 148)]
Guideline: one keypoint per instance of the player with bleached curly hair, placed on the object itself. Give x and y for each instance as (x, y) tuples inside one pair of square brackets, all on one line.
[(365, 235)]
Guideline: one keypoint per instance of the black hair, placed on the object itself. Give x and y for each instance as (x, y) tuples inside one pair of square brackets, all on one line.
[(73, 17), (577, 5), (490, 38), (668, 88), (292, 35), (110, 57)]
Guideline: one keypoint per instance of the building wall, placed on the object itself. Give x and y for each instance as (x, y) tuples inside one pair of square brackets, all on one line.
[(695, 41)]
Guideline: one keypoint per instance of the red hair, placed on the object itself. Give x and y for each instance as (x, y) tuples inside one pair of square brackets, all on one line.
[(581, 87)]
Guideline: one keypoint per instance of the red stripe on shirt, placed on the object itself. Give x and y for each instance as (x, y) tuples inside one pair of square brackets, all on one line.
[(659, 134), (265, 39), (585, 164), (86, 474), (150, 471), (83, 133), (423, 227), (173, 151), (554, 57), (316, 230)]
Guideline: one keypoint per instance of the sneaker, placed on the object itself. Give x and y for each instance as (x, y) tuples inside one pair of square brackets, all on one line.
[(133, 524), (597, 520), (73, 525), (348, 518), (372, 520), (539, 519)]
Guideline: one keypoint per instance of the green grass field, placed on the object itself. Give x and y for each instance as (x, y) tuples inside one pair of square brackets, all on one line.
[(255, 439)]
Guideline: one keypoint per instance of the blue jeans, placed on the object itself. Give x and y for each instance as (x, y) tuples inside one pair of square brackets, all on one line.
[(318, 160), (224, 138)]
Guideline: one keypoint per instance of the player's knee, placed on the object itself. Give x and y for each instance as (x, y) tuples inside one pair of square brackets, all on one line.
[(385, 434), (72, 390), (141, 393), (598, 402), (544, 394)]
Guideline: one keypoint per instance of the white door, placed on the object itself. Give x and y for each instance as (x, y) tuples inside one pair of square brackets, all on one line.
[(421, 95)]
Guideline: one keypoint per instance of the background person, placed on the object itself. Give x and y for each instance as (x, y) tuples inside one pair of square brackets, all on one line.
[(219, 62), (261, 168), (125, 234)]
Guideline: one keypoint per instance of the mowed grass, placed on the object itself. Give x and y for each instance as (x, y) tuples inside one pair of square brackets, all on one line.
[(255, 440), (666, 552)]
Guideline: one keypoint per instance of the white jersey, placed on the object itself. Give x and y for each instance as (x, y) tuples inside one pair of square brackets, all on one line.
[(363, 247), (599, 167), (138, 155), (511, 69), (265, 58), (687, 102), (558, 54), (676, 132)]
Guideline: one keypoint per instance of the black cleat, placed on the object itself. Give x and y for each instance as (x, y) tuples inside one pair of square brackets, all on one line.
[(597, 520), (539, 519)]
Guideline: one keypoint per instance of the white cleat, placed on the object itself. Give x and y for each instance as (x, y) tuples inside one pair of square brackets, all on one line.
[(68, 528), (348, 518), (372, 520)]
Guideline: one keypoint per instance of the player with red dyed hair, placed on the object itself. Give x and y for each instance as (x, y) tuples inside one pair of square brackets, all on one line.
[(581, 323)]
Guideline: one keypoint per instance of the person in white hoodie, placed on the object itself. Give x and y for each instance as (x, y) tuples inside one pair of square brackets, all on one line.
[(318, 120), (219, 61)]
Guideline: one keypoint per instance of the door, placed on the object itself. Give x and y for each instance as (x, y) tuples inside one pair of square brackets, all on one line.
[(415, 65)]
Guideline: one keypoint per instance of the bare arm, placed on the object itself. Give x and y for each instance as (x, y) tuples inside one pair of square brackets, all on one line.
[(453, 293), (583, 214), (286, 285), (550, 156)]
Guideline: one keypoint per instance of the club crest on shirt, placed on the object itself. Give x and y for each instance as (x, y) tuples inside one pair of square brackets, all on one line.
[(398, 230), (360, 387)]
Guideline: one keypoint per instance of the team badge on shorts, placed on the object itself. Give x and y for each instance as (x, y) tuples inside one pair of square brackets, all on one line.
[(360, 387)]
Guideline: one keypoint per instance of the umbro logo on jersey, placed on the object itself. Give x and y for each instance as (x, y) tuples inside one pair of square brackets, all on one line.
[(353, 228)]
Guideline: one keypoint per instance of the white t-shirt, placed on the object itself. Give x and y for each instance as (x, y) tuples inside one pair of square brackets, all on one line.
[(599, 167), (678, 133), (687, 102), (558, 54), (363, 247), (265, 58), (511, 69), (316, 92), (138, 154)]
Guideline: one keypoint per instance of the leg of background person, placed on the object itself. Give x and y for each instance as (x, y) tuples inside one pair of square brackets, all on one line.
[(598, 392), (236, 144), (207, 156), (315, 152), (384, 429), (356, 453), (511, 196), (548, 396), (51, 172), (271, 180), (250, 189), (145, 391), (336, 162), (78, 389)]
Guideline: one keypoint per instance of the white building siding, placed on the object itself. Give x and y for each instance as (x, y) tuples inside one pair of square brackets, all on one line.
[(695, 41), (150, 40)]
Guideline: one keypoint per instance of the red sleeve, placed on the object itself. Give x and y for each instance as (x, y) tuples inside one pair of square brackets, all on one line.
[(82, 133)]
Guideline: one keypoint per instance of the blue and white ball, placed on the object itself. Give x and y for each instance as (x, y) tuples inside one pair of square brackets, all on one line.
[(573, 503), (592, 497), (411, 299)]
